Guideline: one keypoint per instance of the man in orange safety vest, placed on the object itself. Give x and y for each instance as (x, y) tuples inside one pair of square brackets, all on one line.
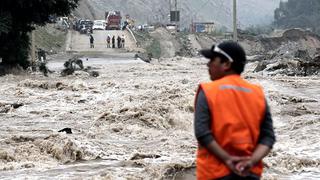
[(233, 124)]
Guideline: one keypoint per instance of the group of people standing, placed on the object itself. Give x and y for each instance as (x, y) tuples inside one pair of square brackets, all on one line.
[(111, 41)]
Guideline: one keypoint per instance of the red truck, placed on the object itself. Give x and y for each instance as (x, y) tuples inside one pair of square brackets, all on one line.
[(113, 20)]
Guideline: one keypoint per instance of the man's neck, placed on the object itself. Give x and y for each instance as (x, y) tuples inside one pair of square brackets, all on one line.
[(230, 73)]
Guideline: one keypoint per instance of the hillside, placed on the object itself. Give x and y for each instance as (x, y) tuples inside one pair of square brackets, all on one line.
[(250, 12), (302, 14)]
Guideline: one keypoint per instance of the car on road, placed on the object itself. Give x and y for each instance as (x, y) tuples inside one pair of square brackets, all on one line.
[(99, 25), (84, 26)]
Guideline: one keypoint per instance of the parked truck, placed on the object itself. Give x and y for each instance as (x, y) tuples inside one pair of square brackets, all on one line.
[(113, 20)]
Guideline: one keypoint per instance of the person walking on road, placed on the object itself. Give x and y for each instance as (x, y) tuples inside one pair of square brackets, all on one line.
[(91, 41), (108, 41), (113, 42), (233, 123)]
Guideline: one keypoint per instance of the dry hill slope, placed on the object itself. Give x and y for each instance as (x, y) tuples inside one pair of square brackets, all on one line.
[(250, 11)]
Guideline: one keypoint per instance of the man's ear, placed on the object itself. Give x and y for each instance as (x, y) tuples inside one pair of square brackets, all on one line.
[(226, 65)]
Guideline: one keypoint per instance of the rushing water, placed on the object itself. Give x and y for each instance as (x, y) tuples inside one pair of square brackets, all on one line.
[(134, 121)]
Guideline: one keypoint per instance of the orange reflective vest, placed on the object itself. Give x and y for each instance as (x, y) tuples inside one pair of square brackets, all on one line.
[(236, 109)]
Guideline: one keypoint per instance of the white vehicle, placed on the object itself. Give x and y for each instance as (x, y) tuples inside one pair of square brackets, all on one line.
[(171, 27), (99, 25)]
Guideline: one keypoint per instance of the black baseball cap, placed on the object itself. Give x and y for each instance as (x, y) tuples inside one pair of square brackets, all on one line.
[(229, 49)]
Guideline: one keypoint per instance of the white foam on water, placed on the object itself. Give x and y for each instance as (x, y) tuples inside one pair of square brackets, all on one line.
[(139, 110)]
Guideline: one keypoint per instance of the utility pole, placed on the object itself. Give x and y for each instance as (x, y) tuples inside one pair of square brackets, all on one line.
[(235, 31), (175, 5), (170, 9), (177, 14), (33, 53)]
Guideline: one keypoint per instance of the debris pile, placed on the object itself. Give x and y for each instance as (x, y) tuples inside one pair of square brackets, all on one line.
[(295, 53), (75, 64)]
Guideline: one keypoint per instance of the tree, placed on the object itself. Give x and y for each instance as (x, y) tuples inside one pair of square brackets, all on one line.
[(18, 18)]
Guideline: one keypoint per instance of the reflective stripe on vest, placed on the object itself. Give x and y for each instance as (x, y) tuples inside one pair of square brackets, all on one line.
[(236, 109)]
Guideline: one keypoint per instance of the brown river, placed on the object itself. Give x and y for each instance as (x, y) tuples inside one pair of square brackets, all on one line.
[(135, 121)]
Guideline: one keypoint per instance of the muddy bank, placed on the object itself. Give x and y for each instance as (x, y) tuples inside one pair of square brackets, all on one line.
[(162, 43)]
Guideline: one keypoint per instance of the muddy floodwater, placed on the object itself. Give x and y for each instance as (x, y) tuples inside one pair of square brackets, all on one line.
[(135, 121)]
